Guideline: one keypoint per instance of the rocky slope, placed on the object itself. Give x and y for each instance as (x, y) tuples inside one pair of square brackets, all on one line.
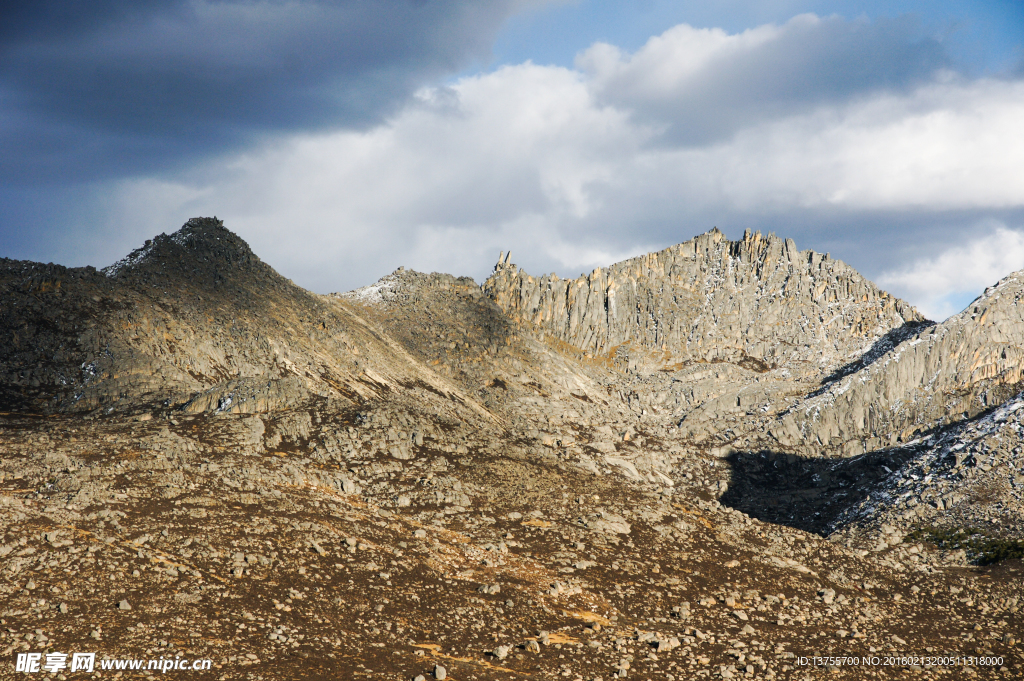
[(430, 478), (945, 374), (193, 321)]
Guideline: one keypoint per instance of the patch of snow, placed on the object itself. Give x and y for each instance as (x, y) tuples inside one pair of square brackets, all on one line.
[(136, 257), (376, 293)]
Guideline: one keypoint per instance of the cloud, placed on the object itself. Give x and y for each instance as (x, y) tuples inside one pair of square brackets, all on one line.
[(108, 89), (943, 285), (941, 146), (458, 175), (703, 84), (539, 160)]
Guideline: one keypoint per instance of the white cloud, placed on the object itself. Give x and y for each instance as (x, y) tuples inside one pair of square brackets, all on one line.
[(941, 286), (942, 146), (704, 85), (668, 64), (497, 162), (543, 161)]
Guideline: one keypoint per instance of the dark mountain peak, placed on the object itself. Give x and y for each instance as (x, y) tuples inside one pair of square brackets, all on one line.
[(201, 245), (211, 239)]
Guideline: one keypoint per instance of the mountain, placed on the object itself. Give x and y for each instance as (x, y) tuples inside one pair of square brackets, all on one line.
[(758, 302), (191, 322), (706, 462), (945, 374)]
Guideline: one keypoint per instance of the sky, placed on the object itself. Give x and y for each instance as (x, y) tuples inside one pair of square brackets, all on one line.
[(343, 139)]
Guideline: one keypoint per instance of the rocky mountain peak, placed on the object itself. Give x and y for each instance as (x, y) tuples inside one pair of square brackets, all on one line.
[(203, 246), (941, 375), (711, 299)]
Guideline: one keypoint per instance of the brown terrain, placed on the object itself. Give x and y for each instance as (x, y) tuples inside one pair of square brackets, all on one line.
[(724, 460)]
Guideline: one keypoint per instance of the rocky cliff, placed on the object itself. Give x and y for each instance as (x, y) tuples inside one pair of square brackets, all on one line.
[(971, 363), (757, 301)]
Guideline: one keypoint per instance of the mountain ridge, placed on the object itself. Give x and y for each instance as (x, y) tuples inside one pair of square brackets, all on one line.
[(431, 477), (949, 372), (689, 300)]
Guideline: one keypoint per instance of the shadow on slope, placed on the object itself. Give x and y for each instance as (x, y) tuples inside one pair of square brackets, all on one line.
[(806, 493), (813, 493), (877, 350)]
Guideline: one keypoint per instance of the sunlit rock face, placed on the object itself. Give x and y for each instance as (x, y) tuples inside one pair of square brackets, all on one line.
[(758, 300)]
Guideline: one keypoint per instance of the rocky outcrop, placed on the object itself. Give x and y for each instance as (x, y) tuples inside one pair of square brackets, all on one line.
[(947, 373), (758, 301)]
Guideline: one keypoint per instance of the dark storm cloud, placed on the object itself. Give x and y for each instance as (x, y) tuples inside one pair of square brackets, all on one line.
[(766, 73), (102, 89)]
